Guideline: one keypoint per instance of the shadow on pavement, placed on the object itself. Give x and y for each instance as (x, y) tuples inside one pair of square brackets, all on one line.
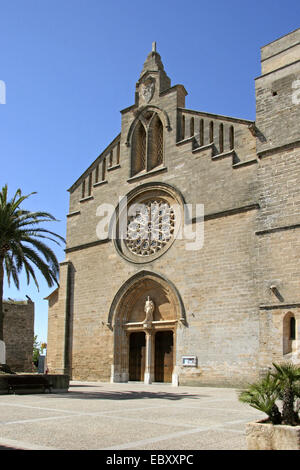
[(9, 448), (125, 395)]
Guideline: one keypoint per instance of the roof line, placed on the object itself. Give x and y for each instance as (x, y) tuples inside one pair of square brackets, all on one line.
[(93, 163), (204, 113)]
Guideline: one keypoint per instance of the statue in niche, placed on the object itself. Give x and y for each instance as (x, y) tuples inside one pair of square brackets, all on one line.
[(149, 309)]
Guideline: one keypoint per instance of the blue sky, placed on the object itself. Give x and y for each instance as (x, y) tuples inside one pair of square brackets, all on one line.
[(70, 66)]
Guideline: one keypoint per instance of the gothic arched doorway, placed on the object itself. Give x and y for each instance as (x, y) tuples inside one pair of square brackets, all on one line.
[(144, 316)]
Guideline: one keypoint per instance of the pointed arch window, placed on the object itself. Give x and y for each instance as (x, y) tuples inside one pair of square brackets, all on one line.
[(155, 153), (147, 144), (138, 157), (292, 328), (289, 332)]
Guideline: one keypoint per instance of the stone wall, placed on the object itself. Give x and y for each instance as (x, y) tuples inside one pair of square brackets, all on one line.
[(278, 176), (19, 334)]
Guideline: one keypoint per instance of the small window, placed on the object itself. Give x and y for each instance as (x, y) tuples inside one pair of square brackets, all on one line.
[(288, 332), (292, 328)]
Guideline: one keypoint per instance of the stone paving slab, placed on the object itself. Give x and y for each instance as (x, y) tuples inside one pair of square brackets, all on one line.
[(132, 416)]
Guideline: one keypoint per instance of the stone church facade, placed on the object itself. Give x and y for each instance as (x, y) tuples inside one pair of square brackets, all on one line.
[(140, 299)]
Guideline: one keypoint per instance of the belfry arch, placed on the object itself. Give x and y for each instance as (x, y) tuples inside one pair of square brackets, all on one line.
[(145, 345)]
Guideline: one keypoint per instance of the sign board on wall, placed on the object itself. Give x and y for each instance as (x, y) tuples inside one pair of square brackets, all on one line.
[(189, 361)]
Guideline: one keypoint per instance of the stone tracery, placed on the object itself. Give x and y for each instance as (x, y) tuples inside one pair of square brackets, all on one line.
[(151, 228)]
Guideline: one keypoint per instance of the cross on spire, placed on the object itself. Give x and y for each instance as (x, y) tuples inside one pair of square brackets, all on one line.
[(154, 46)]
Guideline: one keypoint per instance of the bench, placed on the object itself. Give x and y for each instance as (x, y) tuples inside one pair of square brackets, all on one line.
[(26, 382)]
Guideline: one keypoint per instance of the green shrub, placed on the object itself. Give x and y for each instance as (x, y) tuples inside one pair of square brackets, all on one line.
[(262, 396), (280, 385)]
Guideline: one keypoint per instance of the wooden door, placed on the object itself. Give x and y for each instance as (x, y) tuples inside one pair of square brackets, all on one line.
[(137, 350), (163, 356)]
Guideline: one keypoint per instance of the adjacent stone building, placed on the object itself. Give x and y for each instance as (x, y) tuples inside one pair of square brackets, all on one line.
[(18, 332), (139, 299)]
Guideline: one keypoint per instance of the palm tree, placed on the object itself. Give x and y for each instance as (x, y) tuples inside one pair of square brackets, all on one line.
[(288, 376), (22, 245), (262, 396)]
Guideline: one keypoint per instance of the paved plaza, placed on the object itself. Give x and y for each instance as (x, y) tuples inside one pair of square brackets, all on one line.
[(131, 416)]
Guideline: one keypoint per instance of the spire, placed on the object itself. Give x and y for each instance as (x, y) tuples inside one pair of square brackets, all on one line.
[(153, 64)]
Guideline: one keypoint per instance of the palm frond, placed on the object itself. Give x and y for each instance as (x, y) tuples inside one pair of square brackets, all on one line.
[(11, 270), (23, 242), (262, 396)]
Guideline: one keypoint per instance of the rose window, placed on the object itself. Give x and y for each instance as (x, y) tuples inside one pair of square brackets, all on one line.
[(150, 227)]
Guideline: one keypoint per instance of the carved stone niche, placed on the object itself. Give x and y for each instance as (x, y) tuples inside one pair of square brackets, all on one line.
[(137, 308), (129, 303)]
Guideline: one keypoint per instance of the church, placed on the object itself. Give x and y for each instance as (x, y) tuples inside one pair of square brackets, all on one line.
[(183, 239)]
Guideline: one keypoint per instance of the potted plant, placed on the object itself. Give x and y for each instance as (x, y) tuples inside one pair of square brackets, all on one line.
[(280, 388)]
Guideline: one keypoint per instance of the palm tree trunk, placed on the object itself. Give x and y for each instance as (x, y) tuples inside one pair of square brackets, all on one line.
[(288, 415), (1, 296), (275, 415)]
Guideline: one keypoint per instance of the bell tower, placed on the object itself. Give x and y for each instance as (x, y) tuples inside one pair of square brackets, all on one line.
[(278, 93)]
